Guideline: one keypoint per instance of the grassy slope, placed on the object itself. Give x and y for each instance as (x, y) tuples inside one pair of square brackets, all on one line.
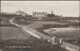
[(72, 34), (12, 32)]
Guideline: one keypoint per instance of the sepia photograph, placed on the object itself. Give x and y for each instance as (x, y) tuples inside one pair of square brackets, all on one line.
[(40, 26)]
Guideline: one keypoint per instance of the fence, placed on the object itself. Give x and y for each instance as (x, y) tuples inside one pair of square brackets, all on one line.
[(70, 46)]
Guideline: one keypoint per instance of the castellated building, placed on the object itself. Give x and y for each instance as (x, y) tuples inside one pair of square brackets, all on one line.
[(39, 15)]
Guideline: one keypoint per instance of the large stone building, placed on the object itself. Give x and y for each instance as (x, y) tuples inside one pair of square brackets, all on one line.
[(39, 15)]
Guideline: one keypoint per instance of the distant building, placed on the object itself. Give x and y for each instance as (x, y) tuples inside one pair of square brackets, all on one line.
[(51, 14), (21, 13), (39, 15)]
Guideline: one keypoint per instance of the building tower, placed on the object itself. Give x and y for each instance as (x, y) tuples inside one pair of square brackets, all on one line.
[(51, 12)]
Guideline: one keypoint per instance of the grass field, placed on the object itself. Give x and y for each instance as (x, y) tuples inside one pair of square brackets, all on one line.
[(12, 33), (63, 32)]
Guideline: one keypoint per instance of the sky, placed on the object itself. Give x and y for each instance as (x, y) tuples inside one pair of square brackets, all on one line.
[(65, 8)]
